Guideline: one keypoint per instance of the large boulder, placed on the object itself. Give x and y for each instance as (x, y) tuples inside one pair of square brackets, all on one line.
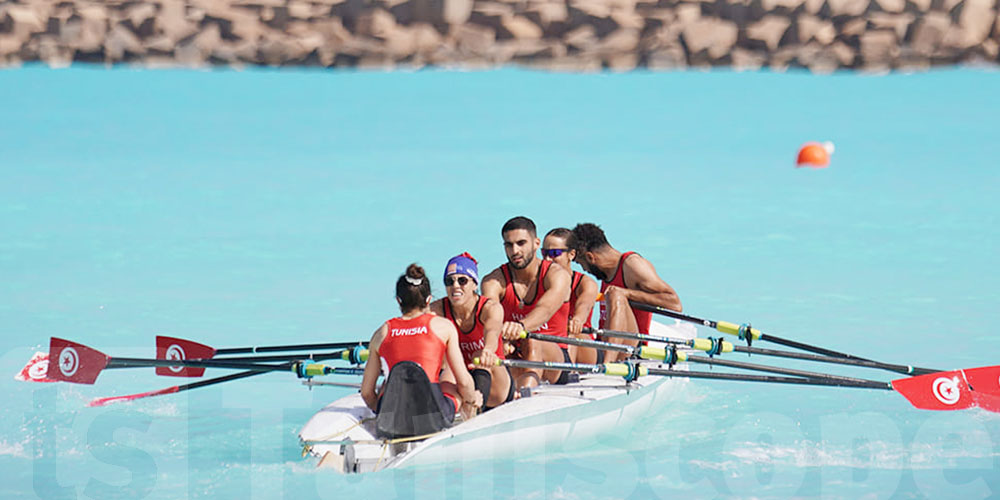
[(769, 30), (715, 36)]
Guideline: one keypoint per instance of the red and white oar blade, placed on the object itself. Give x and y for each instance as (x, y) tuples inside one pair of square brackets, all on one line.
[(132, 397), (985, 384), (73, 362), (36, 370), (174, 349), (985, 379), (936, 391)]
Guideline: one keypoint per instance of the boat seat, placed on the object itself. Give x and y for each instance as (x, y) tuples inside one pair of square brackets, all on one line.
[(411, 405)]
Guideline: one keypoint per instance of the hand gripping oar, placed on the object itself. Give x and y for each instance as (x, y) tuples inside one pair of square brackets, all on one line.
[(77, 363), (672, 355), (935, 391), (715, 346), (748, 333)]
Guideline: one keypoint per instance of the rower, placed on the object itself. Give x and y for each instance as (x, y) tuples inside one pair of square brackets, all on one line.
[(624, 277), (414, 347), (535, 298), (557, 246), (478, 321)]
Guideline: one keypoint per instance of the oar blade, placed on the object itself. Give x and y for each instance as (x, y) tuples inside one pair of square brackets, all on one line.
[(131, 397), (985, 379), (936, 391), (36, 370), (177, 349), (73, 362)]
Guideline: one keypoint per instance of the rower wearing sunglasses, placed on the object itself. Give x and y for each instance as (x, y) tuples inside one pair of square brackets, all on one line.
[(625, 276), (557, 246), (535, 298), (478, 320)]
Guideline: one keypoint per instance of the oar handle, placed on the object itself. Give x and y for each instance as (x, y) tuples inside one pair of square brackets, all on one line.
[(478, 362)]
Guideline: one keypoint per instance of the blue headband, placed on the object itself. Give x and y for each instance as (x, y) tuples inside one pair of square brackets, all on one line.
[(462, 264)]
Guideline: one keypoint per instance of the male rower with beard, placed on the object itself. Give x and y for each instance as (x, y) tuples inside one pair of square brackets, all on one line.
[(478, 320), (535, 298), (557, 246), (624, 277)]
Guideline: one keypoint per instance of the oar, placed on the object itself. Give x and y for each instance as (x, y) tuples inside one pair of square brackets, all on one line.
[(718, 346), (77, 363), (748, 333), (672, 356), (935, 391), (174, 348), (205, 383)]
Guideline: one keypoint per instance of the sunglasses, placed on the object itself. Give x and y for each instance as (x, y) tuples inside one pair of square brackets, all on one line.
[(553, 252), (451, 280)]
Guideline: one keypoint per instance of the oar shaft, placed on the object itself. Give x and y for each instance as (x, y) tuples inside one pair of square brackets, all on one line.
[(289, 347), (201, 363), (771, 369), (904, 369), (769, 378), (731, 328), (596, 344), (316, 356), (826, 359)]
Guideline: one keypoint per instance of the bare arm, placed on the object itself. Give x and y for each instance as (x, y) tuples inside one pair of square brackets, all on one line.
[(586, 295), (453, 355), (494, 285), (437, 307), (492, 318), (646, 286), (556, 281), (373, 368)]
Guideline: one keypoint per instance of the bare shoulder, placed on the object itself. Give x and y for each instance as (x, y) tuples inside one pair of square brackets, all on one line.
[(586, 282), (491, 308), (442, 326), (494, 284), (437, 307), (495, 275), (556, 274), (637, 265), (378, 336)]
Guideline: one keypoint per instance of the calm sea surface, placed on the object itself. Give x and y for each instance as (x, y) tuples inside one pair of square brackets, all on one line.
[(262, 207)]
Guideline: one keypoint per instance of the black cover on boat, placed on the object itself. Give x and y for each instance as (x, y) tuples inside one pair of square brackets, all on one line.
[(411, 405)]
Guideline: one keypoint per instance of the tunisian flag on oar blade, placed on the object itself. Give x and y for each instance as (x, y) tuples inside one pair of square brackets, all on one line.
[(72, 362), (174, 349), (937, 391)]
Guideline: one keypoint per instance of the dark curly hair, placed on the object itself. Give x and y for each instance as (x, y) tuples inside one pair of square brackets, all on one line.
[(588, 238)]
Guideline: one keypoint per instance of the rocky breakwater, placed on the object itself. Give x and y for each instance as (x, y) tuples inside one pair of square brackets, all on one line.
[(822, 35)]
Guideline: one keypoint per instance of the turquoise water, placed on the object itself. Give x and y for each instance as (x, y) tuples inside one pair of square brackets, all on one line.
[(257, 207)]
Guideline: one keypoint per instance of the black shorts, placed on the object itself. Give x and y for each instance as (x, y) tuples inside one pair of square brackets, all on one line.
[(564, 376), (484, 381)]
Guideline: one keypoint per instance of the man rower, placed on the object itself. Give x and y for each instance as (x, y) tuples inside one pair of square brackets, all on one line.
[(478, 320), (414, 346), (557, 246), (535, 298), (624, 277)]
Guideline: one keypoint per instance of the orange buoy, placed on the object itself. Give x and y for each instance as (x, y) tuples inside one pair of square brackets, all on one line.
[(814, 155)]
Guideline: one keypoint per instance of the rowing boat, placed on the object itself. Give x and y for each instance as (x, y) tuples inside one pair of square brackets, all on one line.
[(342, 434)]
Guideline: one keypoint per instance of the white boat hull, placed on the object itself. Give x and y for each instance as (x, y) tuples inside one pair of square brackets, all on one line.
[(555, 418)]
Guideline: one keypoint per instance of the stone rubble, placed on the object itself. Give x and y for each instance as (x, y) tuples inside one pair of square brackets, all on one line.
[(560, 35)]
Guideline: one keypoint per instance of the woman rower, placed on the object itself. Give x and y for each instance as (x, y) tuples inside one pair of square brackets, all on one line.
[(415, 346), (557, 247), (478, 320)]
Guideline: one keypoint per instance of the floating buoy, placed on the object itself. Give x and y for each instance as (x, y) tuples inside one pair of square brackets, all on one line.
[(814, 155)]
